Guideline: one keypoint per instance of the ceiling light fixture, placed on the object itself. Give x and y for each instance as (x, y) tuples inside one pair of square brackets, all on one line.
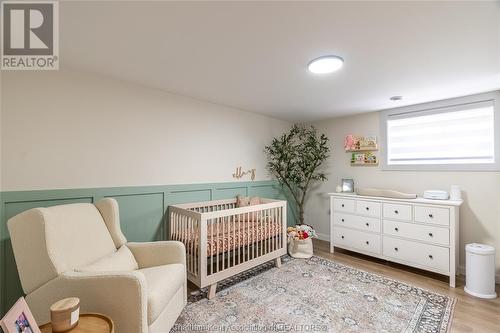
[(396, 98), (325, 64)]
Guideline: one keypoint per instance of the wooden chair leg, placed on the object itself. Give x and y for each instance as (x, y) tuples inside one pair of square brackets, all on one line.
[(278, 262), (211, 290)]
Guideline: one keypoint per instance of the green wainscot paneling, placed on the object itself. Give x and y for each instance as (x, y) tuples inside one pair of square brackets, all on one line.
[(142, 214)]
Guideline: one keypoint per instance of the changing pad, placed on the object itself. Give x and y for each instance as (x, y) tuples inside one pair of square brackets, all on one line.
[(378, 192)]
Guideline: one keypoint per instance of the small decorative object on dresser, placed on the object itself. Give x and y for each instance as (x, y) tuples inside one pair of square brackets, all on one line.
[(436, 195), (416, 232), (455, 193), (300, 241), (64, 314), (347, 185), (19, 319)]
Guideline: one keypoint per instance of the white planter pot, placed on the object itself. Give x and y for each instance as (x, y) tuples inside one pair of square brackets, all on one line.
[(302, 249)]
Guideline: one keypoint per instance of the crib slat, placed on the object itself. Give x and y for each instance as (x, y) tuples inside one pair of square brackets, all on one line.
[(239, 239), (233, 246), (195, 245), (267, 214), (217, 244), (273, 245), (189, 243), (211, 246), (249, 235), (192, 242), (186, 230), (243, 236), (278, 230), (186, 240), (223, 241), (266, 229), (275, 219), (183, 232), (261, 232)]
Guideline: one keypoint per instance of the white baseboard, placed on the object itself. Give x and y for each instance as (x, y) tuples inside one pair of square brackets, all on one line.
[(323, 237)]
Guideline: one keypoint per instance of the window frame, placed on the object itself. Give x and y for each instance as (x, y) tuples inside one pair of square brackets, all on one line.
[(448, 105)]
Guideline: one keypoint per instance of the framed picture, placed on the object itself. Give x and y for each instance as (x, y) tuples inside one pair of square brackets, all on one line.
[(19, 319), (347, 185)]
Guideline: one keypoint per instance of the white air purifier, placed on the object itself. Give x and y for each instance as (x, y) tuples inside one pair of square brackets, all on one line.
[(480, 270)]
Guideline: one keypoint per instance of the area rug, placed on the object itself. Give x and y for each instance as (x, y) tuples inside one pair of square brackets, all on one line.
[(316, 295)]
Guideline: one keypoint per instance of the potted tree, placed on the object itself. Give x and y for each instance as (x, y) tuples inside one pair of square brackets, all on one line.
[(295, 160)]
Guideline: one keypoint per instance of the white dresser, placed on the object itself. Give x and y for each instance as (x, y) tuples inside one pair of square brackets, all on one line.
[(416, 232)]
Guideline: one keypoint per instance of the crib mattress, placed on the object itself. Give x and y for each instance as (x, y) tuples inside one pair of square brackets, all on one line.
[(231, 237)]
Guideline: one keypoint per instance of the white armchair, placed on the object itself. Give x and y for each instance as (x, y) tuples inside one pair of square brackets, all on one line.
[(71, 250)]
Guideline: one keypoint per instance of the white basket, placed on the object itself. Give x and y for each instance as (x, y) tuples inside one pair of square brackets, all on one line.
[(300, 248)]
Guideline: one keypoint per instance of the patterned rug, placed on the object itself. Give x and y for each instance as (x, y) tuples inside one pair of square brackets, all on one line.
[(316, 295)]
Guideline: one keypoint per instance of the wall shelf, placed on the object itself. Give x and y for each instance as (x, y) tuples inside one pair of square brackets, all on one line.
[(362, 149), (364, 164)]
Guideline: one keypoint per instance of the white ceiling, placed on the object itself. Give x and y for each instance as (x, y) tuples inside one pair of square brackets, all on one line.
[(254, 55)]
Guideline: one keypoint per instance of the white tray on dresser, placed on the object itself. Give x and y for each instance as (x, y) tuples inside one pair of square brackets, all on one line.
[(418, 232)]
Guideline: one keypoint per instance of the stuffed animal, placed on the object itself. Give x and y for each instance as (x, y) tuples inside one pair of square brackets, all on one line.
[(350, 142)]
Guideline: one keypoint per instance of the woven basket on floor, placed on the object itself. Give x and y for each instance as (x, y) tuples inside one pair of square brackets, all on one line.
[(302, 249)]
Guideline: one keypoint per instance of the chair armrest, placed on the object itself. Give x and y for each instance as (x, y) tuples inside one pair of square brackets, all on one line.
[(120, 295), (150, 254)]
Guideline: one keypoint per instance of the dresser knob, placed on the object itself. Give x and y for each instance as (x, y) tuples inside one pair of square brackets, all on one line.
[(342, 205), (367, 242), (431, 216), (430, 256), (430, 234), (396, 229), (396, 212), (367, 224), (396, 249), (342, 220), (342, 237), (367, 208)]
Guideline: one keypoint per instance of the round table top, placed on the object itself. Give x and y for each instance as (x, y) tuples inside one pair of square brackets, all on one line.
[(88, 323)]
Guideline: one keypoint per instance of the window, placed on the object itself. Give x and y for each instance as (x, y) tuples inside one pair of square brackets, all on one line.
[(454, 137)]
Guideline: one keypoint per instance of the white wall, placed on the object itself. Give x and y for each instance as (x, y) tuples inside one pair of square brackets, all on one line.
[(64, 129), (479, 215)]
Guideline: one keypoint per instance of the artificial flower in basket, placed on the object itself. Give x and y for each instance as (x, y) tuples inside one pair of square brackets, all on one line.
[(300, 241)]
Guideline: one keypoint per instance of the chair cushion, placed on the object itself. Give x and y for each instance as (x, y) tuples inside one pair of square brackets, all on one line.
[(121, 260), (76, 235), (162, 284)]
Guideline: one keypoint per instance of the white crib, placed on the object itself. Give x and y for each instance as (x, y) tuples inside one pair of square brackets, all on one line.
[(222, 240)]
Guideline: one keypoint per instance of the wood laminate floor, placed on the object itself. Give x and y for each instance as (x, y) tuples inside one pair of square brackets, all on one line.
[(471, 314)]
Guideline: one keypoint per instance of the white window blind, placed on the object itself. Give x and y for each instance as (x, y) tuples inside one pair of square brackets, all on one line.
[(455, 135)]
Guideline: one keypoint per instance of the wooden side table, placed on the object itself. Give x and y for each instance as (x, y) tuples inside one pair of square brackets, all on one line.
[(88, 323)]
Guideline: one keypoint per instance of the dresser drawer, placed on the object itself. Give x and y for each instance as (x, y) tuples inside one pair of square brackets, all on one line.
[(397, 211), (357, 222), (433, 215), (356, 240), (368, 208), (343, 205), (426, 233), (431, 256)]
